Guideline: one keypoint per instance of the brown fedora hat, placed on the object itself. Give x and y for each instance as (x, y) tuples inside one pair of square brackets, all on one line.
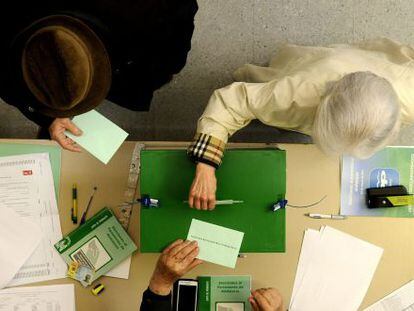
[(65, 66)]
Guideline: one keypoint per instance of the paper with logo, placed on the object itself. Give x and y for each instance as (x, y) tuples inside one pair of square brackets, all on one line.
[(224, 293), (101, 244), (101, 137), (19, 238), (27, 187), (217, 244), (389, 167)]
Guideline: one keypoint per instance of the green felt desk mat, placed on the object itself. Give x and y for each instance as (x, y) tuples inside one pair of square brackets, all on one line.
[(256, 176), (8, 149)]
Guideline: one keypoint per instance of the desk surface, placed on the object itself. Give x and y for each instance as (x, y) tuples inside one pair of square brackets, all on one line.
[(310, 176)]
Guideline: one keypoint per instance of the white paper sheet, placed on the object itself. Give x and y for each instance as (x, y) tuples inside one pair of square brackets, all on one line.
[(26, 186), (335, 271), (19, 237), (121, 271), (310, 240), (39, 298), (400, 300)]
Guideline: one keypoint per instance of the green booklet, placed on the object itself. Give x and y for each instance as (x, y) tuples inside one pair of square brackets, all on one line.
[(224, 293), (100, 244)]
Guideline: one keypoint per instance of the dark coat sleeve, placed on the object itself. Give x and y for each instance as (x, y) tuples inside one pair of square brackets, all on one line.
[(160, 51), (154, 302)]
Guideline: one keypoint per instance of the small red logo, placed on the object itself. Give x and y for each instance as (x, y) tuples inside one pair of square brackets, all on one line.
[(27, 172)]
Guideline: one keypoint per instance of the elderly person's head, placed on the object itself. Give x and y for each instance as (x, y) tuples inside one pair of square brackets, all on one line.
[(358, 115)]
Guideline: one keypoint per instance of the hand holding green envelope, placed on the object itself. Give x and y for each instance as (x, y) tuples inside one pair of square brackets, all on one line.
[(101, 137)]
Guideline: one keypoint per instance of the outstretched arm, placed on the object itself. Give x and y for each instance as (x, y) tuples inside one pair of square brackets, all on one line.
[(230, 109)]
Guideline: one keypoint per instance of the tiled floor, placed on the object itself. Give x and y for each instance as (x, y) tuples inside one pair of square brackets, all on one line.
[(230, 33)]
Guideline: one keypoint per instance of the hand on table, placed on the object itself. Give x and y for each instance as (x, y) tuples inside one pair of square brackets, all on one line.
[(57, 133), (175, 261), (203, 190), (266, 299)]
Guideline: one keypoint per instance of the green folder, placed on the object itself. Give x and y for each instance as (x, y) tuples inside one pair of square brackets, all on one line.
[(7, 149), (255, 176)]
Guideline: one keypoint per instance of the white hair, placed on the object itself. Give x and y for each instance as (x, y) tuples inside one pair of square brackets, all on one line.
[(359, 115)]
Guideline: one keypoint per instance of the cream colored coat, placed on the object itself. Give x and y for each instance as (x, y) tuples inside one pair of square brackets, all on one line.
[(287, 93)]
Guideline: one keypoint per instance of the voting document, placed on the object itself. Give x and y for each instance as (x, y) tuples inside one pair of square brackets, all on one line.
[(39, 298), (26, 186)]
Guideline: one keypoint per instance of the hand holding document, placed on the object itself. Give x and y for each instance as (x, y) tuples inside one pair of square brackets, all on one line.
[(100, 137), (217, 244), (19, 237), (334, 271)]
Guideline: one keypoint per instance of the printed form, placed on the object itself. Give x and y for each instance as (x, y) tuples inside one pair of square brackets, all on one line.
[(26, 186), (39, 298), (400, 300)]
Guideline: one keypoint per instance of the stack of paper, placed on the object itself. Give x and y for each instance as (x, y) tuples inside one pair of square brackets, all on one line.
[(400, 300), (334, 271), (40, 298), (27, 188), (18, 240)]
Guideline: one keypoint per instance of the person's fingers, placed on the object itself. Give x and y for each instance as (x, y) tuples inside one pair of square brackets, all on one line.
[(272, 292), (275, 297), (261, 301), (184, 252), (71, 127), (72, 144), (191, 255), (176, 249), (196, 262), (197, 203), (193, 193), (266, 294), (65, 142), (211, 203), (172, 245), (204, 202), (191, 200), (204, 198), (253, 303)]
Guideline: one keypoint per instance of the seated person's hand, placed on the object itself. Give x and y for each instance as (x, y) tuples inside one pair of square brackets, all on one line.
[(266, 299), (175, 261), (203, 190), (57, 133)]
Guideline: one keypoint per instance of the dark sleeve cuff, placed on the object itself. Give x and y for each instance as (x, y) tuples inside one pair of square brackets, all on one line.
[(154, 302), (206, 149)]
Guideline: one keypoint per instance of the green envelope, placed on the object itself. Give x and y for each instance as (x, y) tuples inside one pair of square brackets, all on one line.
[(217, 244), (101, 137), (255, 176)]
